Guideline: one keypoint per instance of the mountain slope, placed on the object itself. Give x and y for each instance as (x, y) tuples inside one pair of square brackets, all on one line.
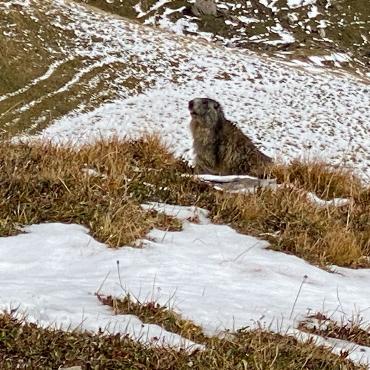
[(325, 32), (147, 76), (50, 65), (92, 58)]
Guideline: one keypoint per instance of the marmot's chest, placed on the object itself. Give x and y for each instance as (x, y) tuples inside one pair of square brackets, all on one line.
[(202, 134)]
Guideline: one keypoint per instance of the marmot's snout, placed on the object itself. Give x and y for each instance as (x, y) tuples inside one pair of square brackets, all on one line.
[(191, 106), (198, 106)]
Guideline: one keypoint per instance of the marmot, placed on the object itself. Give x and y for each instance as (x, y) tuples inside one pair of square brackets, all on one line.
[(220, 147)]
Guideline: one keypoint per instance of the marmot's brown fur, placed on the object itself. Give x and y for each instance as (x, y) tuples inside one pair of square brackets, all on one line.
[(220, 147)]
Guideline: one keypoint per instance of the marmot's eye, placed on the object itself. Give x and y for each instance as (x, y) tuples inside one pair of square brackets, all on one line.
[(216, 105)]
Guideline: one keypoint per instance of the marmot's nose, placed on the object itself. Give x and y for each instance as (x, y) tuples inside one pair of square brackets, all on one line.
[(191, 104)]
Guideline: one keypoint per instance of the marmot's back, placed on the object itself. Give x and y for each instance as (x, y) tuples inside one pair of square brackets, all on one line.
[(221, 147)]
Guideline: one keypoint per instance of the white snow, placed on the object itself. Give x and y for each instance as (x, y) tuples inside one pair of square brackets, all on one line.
[(298, 3), (269, 4), (247, 20), (209, 273), (229, 178), (335, 202), (285, 36), (314, 12), (237, 183), (336, 58), (179, 27), (23, 3), (52, 272)]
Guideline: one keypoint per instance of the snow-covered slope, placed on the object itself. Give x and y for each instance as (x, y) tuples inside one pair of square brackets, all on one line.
[(149, 75), (289, 111), (332, 33)]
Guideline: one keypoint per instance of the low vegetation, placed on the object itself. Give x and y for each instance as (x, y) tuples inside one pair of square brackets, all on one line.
[(25, 345), (103, 186), (352, 331), (152, 312), (94, 187), (316, 176), (60, 73), (294, 224)]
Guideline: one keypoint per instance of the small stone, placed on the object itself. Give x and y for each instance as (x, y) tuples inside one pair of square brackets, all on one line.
[(204, 7)]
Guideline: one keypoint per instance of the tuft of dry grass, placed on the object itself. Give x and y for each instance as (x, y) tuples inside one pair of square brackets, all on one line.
[(316, 176), (152, 312), (25, 345), (322, 325), (293, 224), (96, 186)]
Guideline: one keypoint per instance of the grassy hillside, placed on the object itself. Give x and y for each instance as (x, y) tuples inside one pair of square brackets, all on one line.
[(49, 66), (55, 62)]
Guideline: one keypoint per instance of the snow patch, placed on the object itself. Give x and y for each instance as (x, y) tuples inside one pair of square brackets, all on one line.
[(335, 202), (298, 3), (211, 274), (52, 272)]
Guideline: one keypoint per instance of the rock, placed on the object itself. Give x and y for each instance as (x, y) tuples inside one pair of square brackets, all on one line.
[(238, 183), (71, 368), (204, 7)]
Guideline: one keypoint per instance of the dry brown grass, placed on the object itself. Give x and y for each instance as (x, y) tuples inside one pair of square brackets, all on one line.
[(32, 44), (27, 346), (44, 183), (316, 176), (295, 225), (352, 331), (152, 312)]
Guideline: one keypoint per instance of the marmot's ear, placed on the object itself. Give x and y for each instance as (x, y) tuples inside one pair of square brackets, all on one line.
[(216, 105)]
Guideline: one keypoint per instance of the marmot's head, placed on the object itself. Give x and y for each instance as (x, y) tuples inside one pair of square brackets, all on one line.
[(207, 110)]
